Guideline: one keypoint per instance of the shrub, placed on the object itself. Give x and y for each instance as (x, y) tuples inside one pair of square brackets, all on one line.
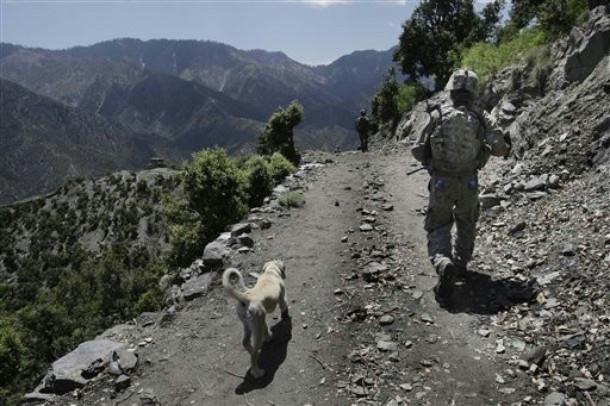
[(280, 167), (292, 199), (487, 59), (408, 95), (216, 189), (541, 64), (259, 180), (187, 243)]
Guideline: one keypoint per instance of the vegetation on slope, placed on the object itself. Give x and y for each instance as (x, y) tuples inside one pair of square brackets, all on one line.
[(91, 254)]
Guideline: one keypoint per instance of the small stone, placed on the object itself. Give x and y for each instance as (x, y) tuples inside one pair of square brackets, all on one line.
[(489, 200), (517, 228), (507, 391), (425, 317), (394, 357), (426, 363), (387, 207), (386, 345), (483, 332), (407, 387), (241, 228), (585, 384), (417, 294), (555, 399), (386, 320), (365, 228), (568, 250), (122, 382), (409, 344), (344, 238), (245, 240), (357, 390)]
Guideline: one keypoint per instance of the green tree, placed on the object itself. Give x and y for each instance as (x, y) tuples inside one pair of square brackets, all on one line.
[(278, 134), (555, 17), (384, 105), (216, 189), (431, 39)]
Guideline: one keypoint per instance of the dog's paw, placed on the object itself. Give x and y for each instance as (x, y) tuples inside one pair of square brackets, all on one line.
[(257, 372)]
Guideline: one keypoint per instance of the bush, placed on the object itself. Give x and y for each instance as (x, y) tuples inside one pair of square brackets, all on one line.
[(291, 199), (540, 63), (187, 243), (487, 59), (277, 136), (408, 96), (215, 187), (12, 352), (280, 167), (259, 180)]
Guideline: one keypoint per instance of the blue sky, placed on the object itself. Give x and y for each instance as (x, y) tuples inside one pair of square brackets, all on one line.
[(309, 31)]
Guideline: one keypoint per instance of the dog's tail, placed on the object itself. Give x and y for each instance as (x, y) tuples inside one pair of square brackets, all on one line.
[(237, 288)]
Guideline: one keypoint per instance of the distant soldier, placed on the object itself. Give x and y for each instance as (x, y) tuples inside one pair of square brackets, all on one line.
[(455, 142), (363, 126)]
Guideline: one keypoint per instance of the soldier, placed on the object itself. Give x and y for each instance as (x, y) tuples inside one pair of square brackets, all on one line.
[(453, 144), (362, 126)]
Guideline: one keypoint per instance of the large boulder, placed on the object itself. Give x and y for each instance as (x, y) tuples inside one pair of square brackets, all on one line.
[(590, 47), (214, 255), (67, 372), (197, 286)]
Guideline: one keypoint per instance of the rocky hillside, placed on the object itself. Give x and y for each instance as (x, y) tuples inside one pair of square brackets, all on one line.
[(44, 143), (547, 213)]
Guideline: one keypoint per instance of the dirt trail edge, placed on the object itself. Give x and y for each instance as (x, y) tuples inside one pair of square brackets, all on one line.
[(364, 329)]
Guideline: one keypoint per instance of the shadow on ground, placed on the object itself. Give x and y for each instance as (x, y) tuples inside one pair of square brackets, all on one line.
[(478, 293), (273, 354)]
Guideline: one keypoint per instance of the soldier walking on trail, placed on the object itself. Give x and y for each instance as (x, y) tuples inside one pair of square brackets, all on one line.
[(362, 126), (453, 144)]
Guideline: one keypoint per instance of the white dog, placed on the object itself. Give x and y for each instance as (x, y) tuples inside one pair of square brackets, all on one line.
[(254, 305)]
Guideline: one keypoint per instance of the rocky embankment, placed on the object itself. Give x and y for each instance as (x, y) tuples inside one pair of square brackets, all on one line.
[(547, 214)]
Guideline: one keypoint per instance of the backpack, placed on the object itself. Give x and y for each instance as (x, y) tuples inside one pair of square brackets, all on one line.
[(362, 124), (457, 141)]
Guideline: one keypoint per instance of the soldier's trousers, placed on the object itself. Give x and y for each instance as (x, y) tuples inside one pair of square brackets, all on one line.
[(452, 200), (364, 142)]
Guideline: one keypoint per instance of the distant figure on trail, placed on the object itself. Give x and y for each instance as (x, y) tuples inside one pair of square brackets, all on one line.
[(362, 126), (454, 142)]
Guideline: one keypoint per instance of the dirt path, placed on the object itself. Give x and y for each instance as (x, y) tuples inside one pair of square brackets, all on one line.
[(365, 326)]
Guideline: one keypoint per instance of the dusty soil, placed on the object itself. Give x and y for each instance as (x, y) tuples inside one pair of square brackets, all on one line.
[(365, 327)]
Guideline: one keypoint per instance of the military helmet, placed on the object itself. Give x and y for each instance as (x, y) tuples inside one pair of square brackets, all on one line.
[(463, 79)]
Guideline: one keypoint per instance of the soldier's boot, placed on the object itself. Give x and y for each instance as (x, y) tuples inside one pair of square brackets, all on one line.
[(446, 277)]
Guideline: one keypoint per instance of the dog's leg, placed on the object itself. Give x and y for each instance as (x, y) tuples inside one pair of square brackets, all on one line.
[(258, 335), (284, 305), (243, 316), (267, 335)]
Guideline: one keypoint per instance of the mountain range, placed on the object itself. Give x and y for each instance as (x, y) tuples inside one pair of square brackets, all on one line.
[(177, 96)]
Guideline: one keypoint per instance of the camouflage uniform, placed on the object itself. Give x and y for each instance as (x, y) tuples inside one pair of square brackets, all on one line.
[(453, 144), (362, 126)]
